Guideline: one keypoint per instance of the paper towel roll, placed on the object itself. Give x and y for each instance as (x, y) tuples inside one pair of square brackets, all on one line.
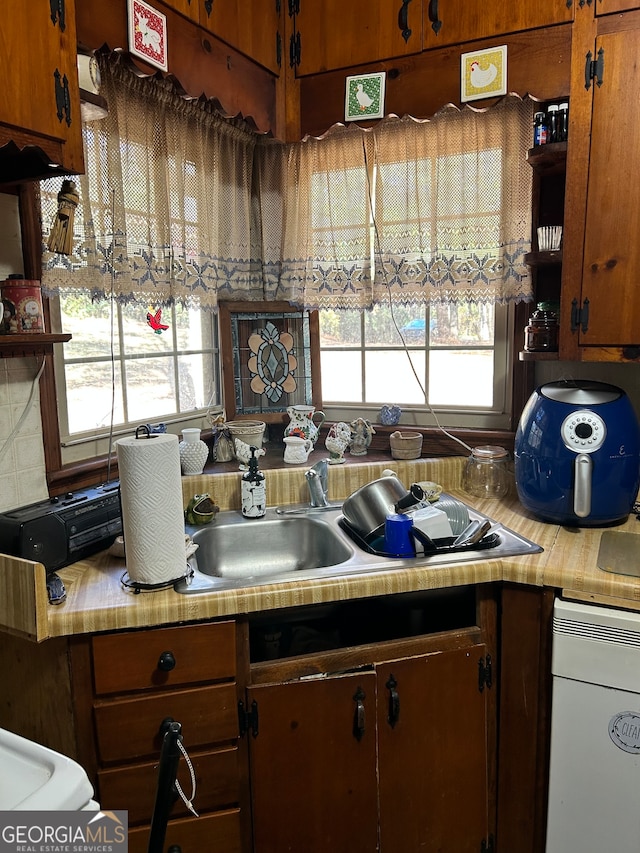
[(152, 511)]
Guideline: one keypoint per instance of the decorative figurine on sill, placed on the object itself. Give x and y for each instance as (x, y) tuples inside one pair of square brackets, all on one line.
[(337, 441), (243, 453), (361, 435), (61, 236), (390, 415)]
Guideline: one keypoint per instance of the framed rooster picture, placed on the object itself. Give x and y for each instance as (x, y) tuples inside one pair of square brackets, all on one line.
[(364, 97), (484, 73)]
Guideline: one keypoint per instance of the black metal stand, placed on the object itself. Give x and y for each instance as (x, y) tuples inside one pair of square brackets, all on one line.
[(166, 791)]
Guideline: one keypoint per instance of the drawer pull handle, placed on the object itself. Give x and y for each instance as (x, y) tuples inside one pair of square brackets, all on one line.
[(166, 662)]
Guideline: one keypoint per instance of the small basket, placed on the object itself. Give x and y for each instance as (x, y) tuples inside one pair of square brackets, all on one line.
[(405, 445)]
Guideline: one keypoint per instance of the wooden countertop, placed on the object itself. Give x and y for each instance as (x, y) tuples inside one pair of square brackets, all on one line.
[(96, 600)]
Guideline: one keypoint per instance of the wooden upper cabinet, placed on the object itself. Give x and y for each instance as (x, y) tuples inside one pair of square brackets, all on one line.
[(454, 21), (332, 34), (189, 8), (605, 7), (612, 248), (253, 27), (39, 96)]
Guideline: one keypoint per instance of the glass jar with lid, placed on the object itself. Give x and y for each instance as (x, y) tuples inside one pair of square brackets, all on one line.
[(486, 472), (542, 333)]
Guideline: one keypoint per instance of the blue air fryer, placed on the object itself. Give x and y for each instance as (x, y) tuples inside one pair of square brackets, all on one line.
[(577, 453)]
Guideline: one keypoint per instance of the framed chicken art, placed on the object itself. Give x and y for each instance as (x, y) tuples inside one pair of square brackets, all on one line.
[(364, 97), (483, 73)]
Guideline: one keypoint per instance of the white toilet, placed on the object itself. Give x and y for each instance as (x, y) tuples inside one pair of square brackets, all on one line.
[(37, 778)]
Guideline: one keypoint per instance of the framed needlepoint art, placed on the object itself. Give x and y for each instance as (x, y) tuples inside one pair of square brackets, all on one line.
[(147, 33)]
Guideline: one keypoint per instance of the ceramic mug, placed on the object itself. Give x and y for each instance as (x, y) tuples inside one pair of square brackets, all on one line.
[(297, 450)]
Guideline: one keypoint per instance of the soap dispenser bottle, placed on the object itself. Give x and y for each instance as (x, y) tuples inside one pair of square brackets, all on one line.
[(254, 492)]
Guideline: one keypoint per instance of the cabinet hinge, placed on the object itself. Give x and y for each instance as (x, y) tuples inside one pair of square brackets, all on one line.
[(279, 49), (583, 3), (594, 69), (248, 719), (208, 5), (487, 846), (579, 316), (485, 673), (58, 13), (63, 99), (294, 50), (278, 6), (294, 7)]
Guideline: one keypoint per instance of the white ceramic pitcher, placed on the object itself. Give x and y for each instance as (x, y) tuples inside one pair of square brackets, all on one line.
[(297, 450)]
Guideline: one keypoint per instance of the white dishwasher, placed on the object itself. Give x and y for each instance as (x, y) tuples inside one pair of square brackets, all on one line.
[(594, 781)]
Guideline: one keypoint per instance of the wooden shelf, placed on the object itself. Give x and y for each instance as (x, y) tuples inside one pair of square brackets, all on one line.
[(17, 346), (525, 355), (548, 158), (538, 259)]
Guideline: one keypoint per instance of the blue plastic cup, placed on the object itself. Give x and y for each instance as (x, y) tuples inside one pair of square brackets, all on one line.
[(398, 540)]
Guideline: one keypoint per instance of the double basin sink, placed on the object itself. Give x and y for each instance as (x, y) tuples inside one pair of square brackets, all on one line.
[(310, 544)]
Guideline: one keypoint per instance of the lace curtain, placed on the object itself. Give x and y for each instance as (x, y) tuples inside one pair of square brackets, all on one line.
[(165, 205), (415, 211), (180, 204)]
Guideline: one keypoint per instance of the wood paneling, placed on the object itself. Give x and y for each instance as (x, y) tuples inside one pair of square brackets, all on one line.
[(538, 64)]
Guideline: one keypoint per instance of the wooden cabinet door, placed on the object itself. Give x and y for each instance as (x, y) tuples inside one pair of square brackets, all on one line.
[(189, 8), (605, 7), (612, 248), (313, 766), (253, 27), (454, 21), (333, 34), (432, 753), (38, 59)]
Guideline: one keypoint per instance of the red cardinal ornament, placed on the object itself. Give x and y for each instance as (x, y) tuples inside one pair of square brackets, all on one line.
[(155, 321)]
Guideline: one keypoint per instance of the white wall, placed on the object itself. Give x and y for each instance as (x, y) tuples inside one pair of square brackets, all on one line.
[(22, 467)]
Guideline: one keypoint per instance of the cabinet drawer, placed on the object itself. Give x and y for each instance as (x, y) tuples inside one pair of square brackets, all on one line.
[(134, 788), (212, 833), (130, 728), (164, 657)]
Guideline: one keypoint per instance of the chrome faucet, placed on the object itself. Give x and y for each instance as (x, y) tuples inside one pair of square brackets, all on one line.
[(316, 478)]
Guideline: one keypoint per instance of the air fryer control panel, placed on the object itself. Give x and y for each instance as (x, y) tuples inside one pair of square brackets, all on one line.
[(583, 431)]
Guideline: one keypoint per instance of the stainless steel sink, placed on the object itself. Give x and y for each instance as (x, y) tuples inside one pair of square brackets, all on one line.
[(308, 544), (234, 547)]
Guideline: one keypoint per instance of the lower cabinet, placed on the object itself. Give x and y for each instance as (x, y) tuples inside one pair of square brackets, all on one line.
[(390, 757), (141, 680)]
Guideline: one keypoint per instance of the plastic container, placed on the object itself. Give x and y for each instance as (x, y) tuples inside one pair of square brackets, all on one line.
[(486, 472)]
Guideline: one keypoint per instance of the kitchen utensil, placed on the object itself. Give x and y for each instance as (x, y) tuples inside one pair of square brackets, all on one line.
[(473, 532), (577, 453), (367, 508)]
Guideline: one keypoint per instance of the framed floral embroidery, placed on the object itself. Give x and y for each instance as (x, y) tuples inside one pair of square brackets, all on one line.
[(270, 359)]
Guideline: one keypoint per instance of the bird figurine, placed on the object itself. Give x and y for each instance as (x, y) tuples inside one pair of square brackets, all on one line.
[(155, 321), (337, 441), (363, 98), (243, 452), (482, 77)]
